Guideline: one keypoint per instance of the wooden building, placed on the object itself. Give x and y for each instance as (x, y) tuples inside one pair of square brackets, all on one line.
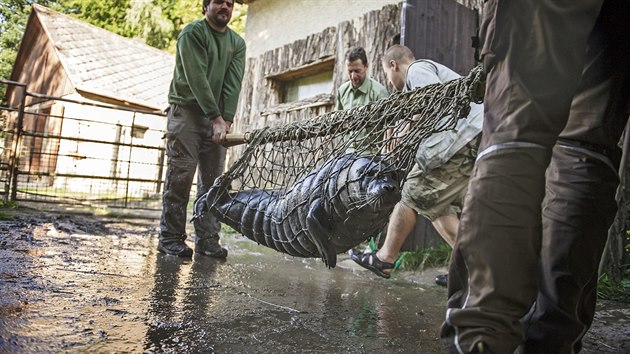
[(296, 55), (60, 56), (71, 67)]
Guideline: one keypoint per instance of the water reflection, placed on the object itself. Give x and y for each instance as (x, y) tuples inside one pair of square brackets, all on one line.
[(180, 303), (365, 322), (265, 302)]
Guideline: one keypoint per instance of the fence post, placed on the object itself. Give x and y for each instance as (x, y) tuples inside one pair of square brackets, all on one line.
[(17, 143), (161, 158), (133, 124)]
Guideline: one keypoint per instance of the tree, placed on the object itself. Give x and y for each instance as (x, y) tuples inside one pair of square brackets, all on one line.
[(149, 22), (158, 22), (155, 22), (110, 15), (13, 18)]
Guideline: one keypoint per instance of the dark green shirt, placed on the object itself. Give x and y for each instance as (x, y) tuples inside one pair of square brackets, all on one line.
[(209, 68)]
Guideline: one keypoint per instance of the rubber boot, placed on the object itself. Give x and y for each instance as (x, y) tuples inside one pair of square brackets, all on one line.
[(210, 246), (174, 247)]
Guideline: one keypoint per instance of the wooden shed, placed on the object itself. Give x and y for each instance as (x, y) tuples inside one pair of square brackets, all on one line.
[(70, 68), (60, 56)]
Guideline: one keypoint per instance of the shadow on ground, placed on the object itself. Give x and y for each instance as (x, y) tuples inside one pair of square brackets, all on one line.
[(77, 283)]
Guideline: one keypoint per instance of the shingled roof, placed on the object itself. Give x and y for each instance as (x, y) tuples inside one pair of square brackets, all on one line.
[(103, 63)]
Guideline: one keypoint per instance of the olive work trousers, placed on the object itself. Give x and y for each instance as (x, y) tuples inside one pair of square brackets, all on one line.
[(189, 149), (541, 197)]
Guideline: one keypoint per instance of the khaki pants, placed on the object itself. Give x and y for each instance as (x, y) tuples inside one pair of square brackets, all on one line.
[(189, 149), (529, 243)]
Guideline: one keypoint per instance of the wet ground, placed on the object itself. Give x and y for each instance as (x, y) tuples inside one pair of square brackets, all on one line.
[(71, 283)]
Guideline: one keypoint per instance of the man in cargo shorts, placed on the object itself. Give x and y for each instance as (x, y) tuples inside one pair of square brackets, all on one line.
[(438, 181)]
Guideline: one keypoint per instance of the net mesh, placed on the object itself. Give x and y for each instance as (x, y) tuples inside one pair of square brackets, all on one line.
[(318, 187), (275, 158)]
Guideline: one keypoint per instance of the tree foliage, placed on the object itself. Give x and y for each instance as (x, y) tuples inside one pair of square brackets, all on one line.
[(13, 18), (110, 15), (155, 22)]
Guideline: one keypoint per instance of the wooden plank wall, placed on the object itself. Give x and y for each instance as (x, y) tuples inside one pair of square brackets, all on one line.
[(39, 66), (441, 31), (260, 96)]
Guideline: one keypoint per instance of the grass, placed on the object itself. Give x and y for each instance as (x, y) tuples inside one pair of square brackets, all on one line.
[(616, 291), (609, 290), (432, 257), (3, 204), (112, 194)]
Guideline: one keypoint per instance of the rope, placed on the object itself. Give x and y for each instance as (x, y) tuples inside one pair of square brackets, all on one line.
[(275, 158)]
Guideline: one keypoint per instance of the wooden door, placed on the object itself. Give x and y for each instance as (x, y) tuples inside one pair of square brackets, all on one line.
[(440, 30)]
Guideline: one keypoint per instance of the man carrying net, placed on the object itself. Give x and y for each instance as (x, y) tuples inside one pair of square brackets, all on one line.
[(438, 181)]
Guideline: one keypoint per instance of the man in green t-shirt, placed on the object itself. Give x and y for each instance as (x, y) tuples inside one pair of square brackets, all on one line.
[(358, 91), (203, 95)]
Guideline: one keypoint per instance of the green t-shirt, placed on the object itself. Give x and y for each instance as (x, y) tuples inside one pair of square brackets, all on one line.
[(349, 97), (209, 68)]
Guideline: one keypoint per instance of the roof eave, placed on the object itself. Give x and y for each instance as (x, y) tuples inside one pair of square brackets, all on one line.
[(108, 98)]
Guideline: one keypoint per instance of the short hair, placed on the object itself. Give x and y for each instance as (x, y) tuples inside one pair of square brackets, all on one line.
[(204, 6), (357, 53), (399, 53)]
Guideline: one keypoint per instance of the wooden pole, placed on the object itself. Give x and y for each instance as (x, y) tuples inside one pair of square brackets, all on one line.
[(234, 139)]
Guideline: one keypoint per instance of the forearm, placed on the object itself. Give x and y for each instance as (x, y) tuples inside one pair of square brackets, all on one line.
[(194, 61)]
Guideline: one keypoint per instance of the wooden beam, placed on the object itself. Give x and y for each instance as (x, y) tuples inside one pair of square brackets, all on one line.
[(316, 67)]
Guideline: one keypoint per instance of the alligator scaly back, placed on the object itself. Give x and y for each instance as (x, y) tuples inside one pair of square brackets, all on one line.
[(333, 208)]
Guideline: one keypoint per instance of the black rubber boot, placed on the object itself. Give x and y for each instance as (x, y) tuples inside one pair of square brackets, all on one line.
[(210, 247), (442, 280), (175, 248)]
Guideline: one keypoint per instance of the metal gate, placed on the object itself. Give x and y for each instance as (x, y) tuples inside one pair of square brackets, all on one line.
[(66, 151)]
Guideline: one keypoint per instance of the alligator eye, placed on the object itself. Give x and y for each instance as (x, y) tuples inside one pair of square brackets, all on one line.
[(370, 172)]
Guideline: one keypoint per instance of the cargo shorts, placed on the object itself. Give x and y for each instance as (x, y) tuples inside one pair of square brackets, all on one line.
[(441, 191)]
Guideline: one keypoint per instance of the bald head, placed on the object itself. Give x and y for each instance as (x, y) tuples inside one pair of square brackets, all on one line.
[(400, 54), (395, 62)]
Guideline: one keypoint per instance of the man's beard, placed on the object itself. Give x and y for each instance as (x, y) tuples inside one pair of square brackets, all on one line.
[(219, 21)]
